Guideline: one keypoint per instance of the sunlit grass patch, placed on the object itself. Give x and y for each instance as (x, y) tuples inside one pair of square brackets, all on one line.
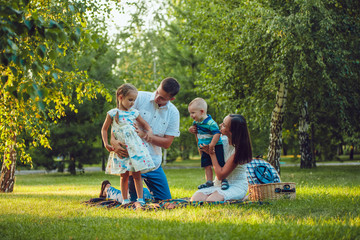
[(50, 207)]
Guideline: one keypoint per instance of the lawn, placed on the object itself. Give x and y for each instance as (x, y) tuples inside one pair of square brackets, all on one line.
[(327, 206), (194, 161)]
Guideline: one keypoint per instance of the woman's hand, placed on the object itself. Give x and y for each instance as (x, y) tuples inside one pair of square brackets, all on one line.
[(206, 149), (211, 148)]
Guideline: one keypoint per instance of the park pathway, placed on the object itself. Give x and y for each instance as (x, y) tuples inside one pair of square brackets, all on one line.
[(98, 169)]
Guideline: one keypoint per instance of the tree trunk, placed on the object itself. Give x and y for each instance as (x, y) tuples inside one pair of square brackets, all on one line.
[(7, 180), (284, 148), (103, 160), (72, 165), (277, 119), (304, 139), (340, 149), (351, 155), (313, 150)]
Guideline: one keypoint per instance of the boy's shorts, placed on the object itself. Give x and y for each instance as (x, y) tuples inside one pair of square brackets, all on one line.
[(206, 160)]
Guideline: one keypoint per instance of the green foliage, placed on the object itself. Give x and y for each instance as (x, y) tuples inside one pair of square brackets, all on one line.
[(34, 37), (252, 46), (148, 55), (76, 136)]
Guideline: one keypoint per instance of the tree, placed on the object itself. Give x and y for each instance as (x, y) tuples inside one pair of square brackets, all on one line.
[(34, 36), (81, 130), (305, 147), (148, 55), (253, 49)]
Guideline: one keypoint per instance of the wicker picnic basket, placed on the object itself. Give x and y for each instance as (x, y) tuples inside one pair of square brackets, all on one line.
[(272, 191)]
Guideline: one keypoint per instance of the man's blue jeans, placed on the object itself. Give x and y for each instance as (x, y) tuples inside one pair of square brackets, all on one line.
[(115, 194), (157, 183)]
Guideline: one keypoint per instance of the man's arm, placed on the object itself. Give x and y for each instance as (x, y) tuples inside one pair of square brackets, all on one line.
[(144, 126), (119, 149), (164, 142)]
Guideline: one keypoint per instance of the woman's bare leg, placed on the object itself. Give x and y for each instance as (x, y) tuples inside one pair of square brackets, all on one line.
[(215, 196), (198, 196)]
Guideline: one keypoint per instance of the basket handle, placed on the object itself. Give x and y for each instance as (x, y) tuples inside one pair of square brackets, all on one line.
[(286, 188)]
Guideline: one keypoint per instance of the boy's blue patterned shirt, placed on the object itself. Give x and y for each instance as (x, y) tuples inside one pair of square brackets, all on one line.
[(206, 129)]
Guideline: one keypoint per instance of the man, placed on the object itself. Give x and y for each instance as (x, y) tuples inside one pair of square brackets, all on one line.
[(164, 119)]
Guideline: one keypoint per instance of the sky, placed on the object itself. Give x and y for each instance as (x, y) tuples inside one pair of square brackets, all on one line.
[(121, 19)]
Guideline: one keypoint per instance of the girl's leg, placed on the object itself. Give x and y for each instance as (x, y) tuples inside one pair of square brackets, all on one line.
[(124, 185), (138, 184)]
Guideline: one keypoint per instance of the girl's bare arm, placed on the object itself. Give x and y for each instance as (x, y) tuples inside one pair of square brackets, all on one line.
[(104, 133)]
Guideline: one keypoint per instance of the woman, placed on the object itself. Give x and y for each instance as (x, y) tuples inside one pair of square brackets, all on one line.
[(238, 152)]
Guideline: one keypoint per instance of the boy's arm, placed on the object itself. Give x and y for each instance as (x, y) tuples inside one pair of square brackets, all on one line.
[(214, 128), (213, 142), (197, 144), (193, 130)]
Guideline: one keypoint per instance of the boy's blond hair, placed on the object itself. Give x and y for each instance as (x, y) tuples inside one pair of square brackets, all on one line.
[(199, 103)]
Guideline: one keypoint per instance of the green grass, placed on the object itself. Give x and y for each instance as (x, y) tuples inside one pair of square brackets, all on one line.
[(327, 206), (288, 159)]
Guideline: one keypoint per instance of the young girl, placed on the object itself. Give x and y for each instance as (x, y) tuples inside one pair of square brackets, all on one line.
[(122, 121)]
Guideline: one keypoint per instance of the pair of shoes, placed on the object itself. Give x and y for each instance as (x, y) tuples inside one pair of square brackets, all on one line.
[(206, 185), (224, 184), (139, 203), (103, 186)]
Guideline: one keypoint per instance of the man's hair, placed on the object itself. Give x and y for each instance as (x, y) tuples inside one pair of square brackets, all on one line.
[(170, 85), (199, 103)]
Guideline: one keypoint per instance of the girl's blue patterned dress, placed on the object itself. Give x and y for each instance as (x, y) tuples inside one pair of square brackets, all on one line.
[(139, 158)]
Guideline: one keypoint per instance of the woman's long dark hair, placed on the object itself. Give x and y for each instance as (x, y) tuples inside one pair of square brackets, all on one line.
[(240, 139)]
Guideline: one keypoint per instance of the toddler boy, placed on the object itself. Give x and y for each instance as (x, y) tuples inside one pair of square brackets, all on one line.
[(208, 133)]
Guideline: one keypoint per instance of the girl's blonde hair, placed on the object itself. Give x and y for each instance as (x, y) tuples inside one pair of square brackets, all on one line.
[(124, 91)]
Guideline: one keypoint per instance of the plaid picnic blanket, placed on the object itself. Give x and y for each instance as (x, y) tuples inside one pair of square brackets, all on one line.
[(165, 204)]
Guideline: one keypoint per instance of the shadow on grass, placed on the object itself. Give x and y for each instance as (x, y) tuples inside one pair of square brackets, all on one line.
[(39, 197), (322, 176), (86, 179), (25, 226)]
